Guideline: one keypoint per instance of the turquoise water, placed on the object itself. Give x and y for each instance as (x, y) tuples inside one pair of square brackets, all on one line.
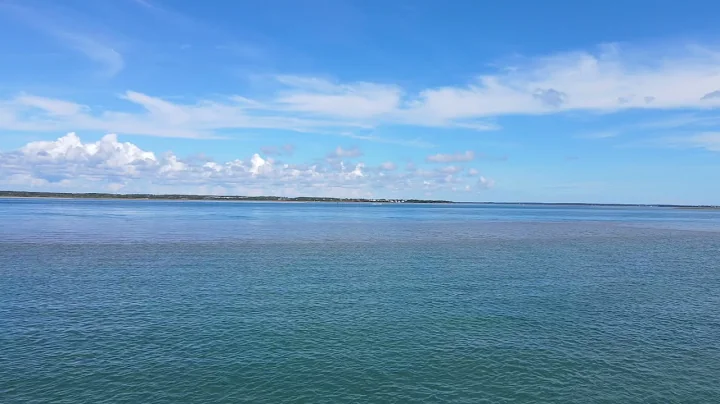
[(205, 302)]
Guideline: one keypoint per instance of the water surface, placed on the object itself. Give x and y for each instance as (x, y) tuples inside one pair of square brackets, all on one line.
[(153, 301)]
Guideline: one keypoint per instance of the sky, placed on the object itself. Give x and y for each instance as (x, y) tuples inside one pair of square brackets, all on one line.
[(466, 100)]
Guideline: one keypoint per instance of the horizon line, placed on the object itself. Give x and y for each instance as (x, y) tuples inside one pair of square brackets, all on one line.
[(274, 198)]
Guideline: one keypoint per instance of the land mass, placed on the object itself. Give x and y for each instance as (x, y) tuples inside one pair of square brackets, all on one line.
[(181, 197), (184, 197)]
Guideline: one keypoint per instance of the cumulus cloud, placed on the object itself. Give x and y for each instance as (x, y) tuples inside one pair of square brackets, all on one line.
[(106, 152), (69, 164), (451, 158), (608, 79)]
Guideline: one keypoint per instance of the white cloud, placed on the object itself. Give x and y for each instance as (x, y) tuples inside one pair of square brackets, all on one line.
[(107, 151), (693, 121), (323, 98), (70, 164), (711, 95), (610, 79), (485, 183), (66, 32), (51, 106), (339, 152), (357, 171), (473, 172), (259, 165), (678, 121), (372, 138), (172, 165), (451, 158), (706, 140), (160, 117), (451, 169), (110, 59)]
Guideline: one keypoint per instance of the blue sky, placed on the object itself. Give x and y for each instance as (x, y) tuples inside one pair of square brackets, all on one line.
[(464, 100)]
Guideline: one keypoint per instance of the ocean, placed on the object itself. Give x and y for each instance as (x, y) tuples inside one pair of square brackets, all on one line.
[(114, 301)]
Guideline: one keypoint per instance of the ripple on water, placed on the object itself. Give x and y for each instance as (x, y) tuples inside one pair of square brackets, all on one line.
[(361, 310)]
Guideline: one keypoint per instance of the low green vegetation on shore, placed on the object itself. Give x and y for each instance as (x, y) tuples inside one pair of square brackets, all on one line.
[(182, 197), (23, 194)]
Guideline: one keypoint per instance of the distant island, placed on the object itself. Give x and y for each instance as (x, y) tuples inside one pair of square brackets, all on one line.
[(181, 197)]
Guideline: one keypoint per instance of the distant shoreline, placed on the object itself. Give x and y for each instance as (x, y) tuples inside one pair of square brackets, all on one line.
[(183, 197), (609, 205)]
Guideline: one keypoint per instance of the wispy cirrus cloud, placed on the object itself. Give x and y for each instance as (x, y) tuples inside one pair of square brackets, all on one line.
[(657, 129), (50, 106), (163, 118), (67, 34), (600, 135), (110, 60), (419, 143), (685, 120), (340, 153), (607, 80), (704, 140), (707, 140), (451, 158), (323, 98), (159, 117)]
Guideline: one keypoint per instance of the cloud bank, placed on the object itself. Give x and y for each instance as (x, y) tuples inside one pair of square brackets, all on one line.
[(69, 164)]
